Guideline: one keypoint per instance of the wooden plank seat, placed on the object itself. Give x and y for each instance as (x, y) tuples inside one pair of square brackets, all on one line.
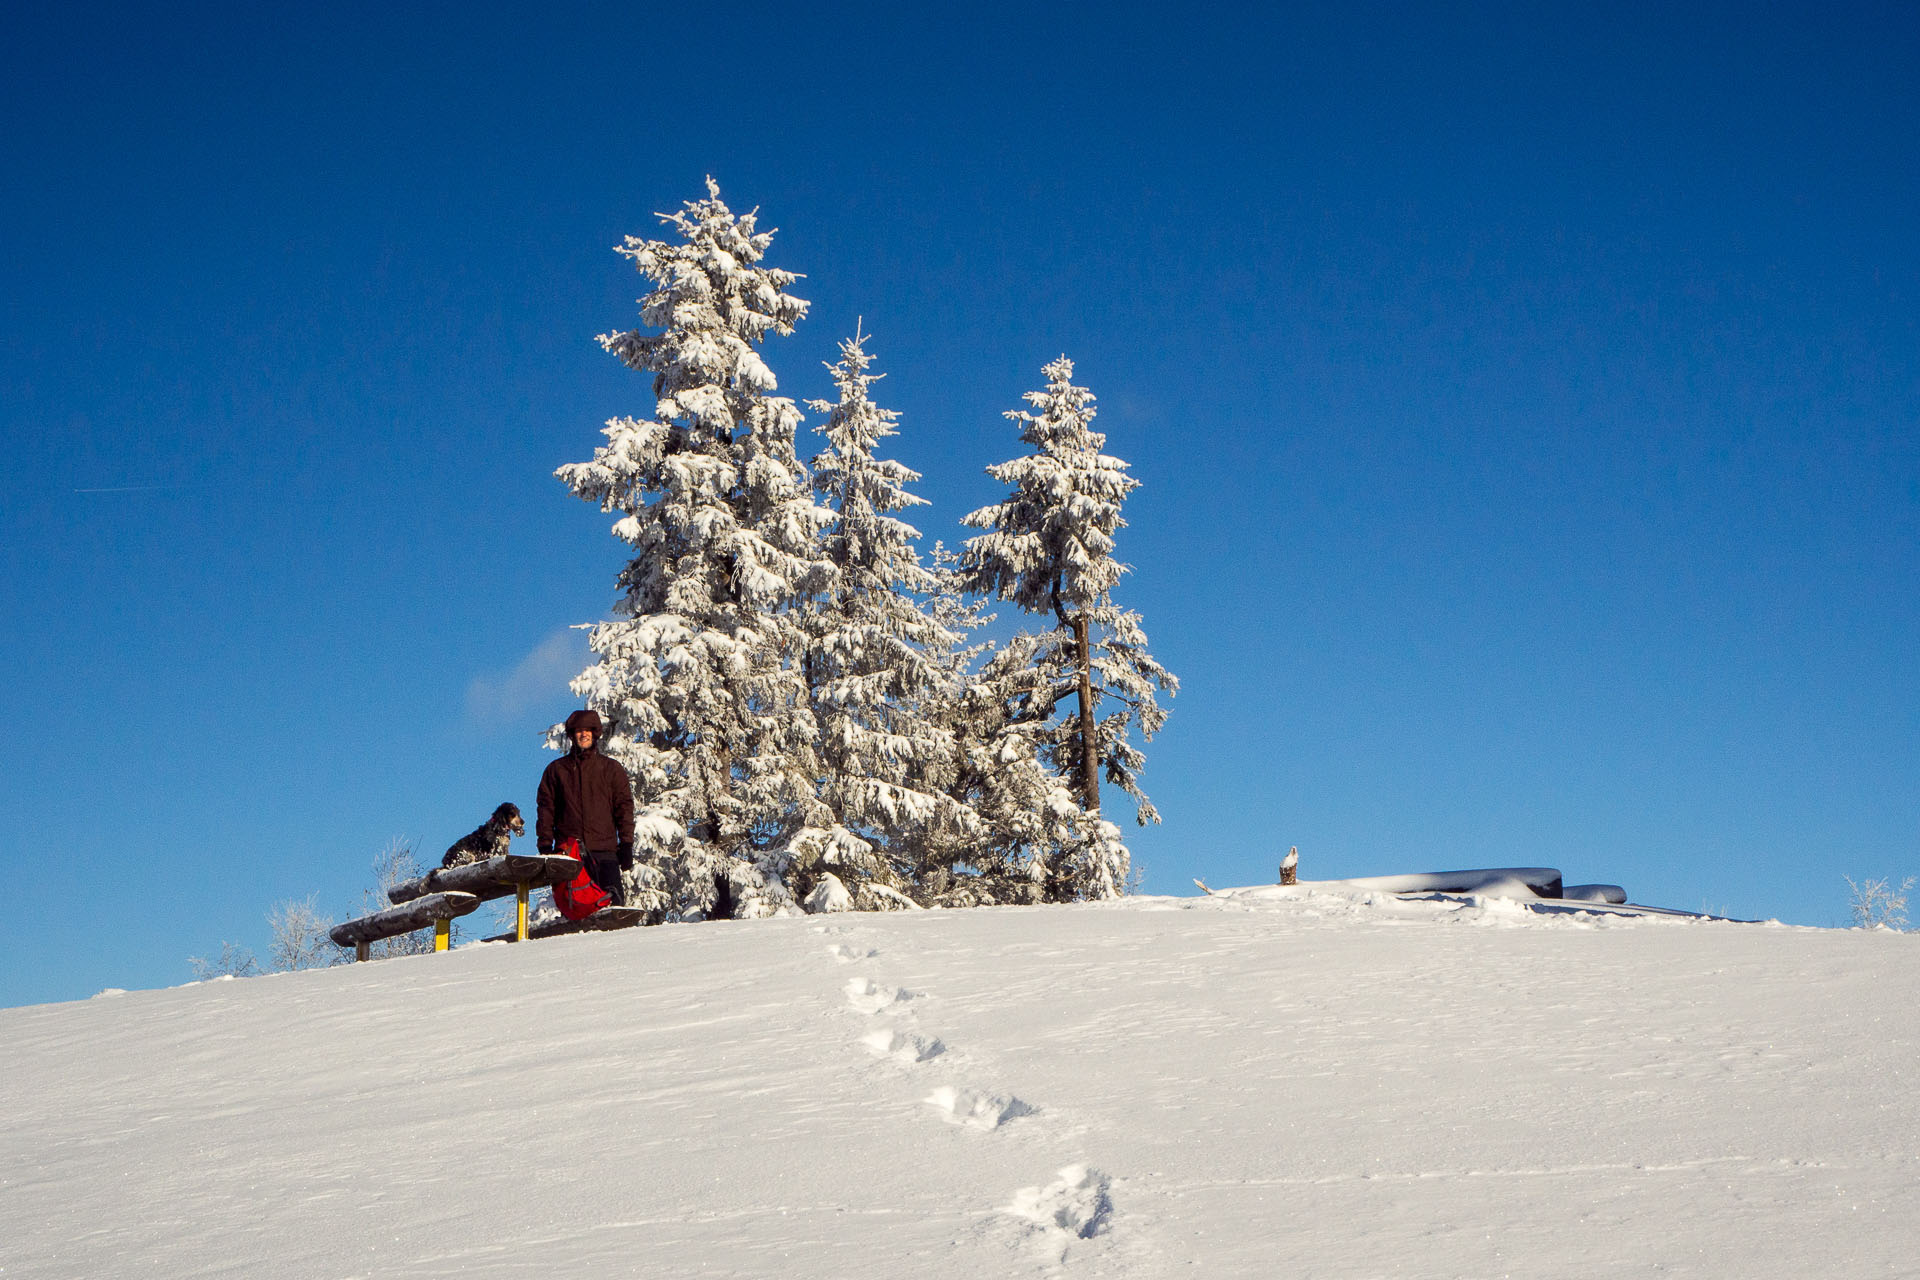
[(436, 909), (599, 922), (445, 892), (495, 877)]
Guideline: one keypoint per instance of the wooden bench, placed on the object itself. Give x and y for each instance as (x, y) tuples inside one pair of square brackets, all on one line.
[(599, 922), (436, 909), (444, 893)]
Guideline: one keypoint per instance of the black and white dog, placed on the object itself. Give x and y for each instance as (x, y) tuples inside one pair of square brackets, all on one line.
[(489, 839)]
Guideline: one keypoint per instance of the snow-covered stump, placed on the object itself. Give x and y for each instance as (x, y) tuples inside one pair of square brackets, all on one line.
[(1290, 866)]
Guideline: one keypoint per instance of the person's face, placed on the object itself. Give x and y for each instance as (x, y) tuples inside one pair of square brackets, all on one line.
[(583, 739)]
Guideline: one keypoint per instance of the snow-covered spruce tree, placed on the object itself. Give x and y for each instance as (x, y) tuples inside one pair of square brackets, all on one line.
[(1022, 813), (1078, 689), (875, 664), (1035, 842), (699, 673)]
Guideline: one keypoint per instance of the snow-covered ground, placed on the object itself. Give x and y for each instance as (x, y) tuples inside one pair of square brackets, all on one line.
[(1307, 1082)]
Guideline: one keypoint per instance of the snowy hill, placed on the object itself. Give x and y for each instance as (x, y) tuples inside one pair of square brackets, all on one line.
[(1271, 1082)]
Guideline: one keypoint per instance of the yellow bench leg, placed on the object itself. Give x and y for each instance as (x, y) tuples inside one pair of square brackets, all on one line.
[(520, 915), (442, 934)]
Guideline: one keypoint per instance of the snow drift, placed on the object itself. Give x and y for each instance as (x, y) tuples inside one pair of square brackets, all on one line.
[(1279, 1082)]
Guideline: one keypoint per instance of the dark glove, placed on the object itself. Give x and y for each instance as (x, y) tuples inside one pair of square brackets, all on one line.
[(546, 848), (625, 854)]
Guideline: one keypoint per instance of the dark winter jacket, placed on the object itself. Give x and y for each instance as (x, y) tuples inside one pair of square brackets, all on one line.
[(585, 796)]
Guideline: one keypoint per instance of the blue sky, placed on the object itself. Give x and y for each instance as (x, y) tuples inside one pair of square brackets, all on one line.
[(1526, 400)]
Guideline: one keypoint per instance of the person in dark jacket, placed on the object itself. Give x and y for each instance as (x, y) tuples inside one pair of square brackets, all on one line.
[(588, 797)]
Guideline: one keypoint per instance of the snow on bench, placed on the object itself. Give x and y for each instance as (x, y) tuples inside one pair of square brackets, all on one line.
[(599, 922), (436, 909), (496, 877), (445, 892), (1498, 882), (1493, 882), (1539, 889)]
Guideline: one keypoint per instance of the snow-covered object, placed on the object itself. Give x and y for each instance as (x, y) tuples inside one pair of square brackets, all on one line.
[(1294, 1083), (1529, 882), (1594, 893), (828, 895), (888, 754), (1078, 690), (697, 674), (875, 896)]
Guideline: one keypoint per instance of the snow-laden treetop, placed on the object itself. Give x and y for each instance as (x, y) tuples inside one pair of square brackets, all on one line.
[(871, 547), (714, 306), (1050, 543)]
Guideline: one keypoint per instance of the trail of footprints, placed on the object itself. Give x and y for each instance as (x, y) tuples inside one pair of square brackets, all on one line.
[(1077, 1205)]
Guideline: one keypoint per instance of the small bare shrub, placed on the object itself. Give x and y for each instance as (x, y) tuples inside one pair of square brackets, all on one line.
[(1876, 904), (234, 961), (395, 863), (300, 938)]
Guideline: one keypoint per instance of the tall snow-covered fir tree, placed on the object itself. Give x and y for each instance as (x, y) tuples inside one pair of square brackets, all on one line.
[(699, 674), (1078, 689), (1022, 814), (1036, 844), (876, 664)]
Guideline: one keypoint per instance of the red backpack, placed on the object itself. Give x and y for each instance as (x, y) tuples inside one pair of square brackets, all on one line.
[(579, 897)]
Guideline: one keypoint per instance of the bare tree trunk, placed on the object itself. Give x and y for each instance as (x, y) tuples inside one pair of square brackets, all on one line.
[(1089, 745)]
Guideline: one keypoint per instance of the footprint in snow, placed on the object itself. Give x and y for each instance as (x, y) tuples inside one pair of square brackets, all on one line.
[(870, 997), (847, 954), (902, 1047), (1078, 1205), (975, 1110)]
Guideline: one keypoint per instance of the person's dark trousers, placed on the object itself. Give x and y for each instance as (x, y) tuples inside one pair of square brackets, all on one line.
[(604, 867)]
